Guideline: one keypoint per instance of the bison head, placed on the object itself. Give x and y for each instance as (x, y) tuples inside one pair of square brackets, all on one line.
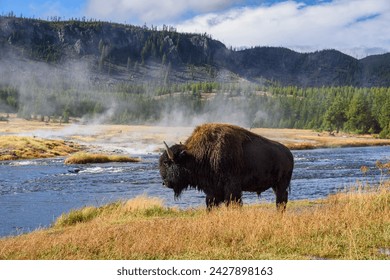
[(173, 171)]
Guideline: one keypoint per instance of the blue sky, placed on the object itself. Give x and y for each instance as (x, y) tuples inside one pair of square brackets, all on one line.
[(72, 8), (357, 27)]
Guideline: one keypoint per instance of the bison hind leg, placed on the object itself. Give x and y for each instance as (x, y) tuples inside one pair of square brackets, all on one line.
[(281, 194), (281, 204)]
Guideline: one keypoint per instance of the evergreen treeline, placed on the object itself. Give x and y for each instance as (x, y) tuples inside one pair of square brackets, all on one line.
[(356, 110)]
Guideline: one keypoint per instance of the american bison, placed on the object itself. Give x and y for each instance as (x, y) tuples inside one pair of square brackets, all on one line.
[(224, 160)]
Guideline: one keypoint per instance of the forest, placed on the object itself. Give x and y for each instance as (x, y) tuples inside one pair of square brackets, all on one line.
[(334, 109)]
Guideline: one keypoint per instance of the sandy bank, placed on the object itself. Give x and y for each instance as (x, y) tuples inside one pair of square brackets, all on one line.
[(140, 139)]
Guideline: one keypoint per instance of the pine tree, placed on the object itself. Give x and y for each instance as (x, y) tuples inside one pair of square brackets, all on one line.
[(164, 59), (335, 116), (102, 57), (128, 64), (384, 120), (359, 115)]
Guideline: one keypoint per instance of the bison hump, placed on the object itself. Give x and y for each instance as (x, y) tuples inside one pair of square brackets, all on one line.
[(219, 145)]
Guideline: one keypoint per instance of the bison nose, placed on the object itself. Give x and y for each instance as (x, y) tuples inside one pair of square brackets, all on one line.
[(163, 183)]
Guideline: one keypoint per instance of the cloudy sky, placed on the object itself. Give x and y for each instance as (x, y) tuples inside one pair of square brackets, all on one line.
[(356, 27)]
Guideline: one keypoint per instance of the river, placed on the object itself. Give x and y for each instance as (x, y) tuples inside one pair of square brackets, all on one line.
[(33, 193)]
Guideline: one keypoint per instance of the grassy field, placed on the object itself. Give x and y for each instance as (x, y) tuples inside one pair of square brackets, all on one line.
[(20, 147), (349, 225)]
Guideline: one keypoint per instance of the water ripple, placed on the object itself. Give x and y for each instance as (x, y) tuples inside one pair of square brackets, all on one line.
[(35, 192)]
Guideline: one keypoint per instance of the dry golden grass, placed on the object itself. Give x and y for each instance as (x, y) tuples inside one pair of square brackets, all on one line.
[(17, 125), (152, 137), (18, 147), (84, 158), (350, 225)]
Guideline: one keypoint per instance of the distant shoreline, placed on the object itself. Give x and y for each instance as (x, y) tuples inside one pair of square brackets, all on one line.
[(138, 139)]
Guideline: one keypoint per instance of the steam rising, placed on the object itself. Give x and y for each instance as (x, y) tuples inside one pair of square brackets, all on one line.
[(46, 90), (215, 110)]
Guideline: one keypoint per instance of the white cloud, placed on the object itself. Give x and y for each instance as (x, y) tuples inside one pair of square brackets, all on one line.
[(152, 11), (340, 24), (358, 27)]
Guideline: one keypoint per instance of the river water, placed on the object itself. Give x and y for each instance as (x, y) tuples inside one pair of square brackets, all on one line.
[(33, 193)]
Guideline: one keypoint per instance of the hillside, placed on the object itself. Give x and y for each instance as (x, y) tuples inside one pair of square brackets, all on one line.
[(117, 52)]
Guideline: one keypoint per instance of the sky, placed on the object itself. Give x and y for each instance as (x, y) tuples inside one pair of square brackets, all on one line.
[(356, 27)]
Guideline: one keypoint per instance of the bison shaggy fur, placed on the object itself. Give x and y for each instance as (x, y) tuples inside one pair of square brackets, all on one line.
[(224, 160)]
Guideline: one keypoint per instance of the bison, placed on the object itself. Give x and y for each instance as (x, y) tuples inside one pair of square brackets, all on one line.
[(224, 160)]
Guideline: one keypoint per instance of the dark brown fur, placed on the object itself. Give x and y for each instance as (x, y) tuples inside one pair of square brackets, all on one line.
[(221, 144), (224, 160)]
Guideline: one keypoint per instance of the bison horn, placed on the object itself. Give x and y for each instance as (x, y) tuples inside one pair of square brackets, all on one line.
[(169, 151)]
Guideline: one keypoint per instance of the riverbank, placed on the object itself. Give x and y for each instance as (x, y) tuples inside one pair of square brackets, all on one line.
[(141, 139), (348, 225), (20, 147)]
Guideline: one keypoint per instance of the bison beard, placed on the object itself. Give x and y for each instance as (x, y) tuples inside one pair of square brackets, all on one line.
[(223, 161)]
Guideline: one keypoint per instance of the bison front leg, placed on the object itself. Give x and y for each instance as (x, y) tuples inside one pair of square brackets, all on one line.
[(212, 201), (233, 198), (233, 192)]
